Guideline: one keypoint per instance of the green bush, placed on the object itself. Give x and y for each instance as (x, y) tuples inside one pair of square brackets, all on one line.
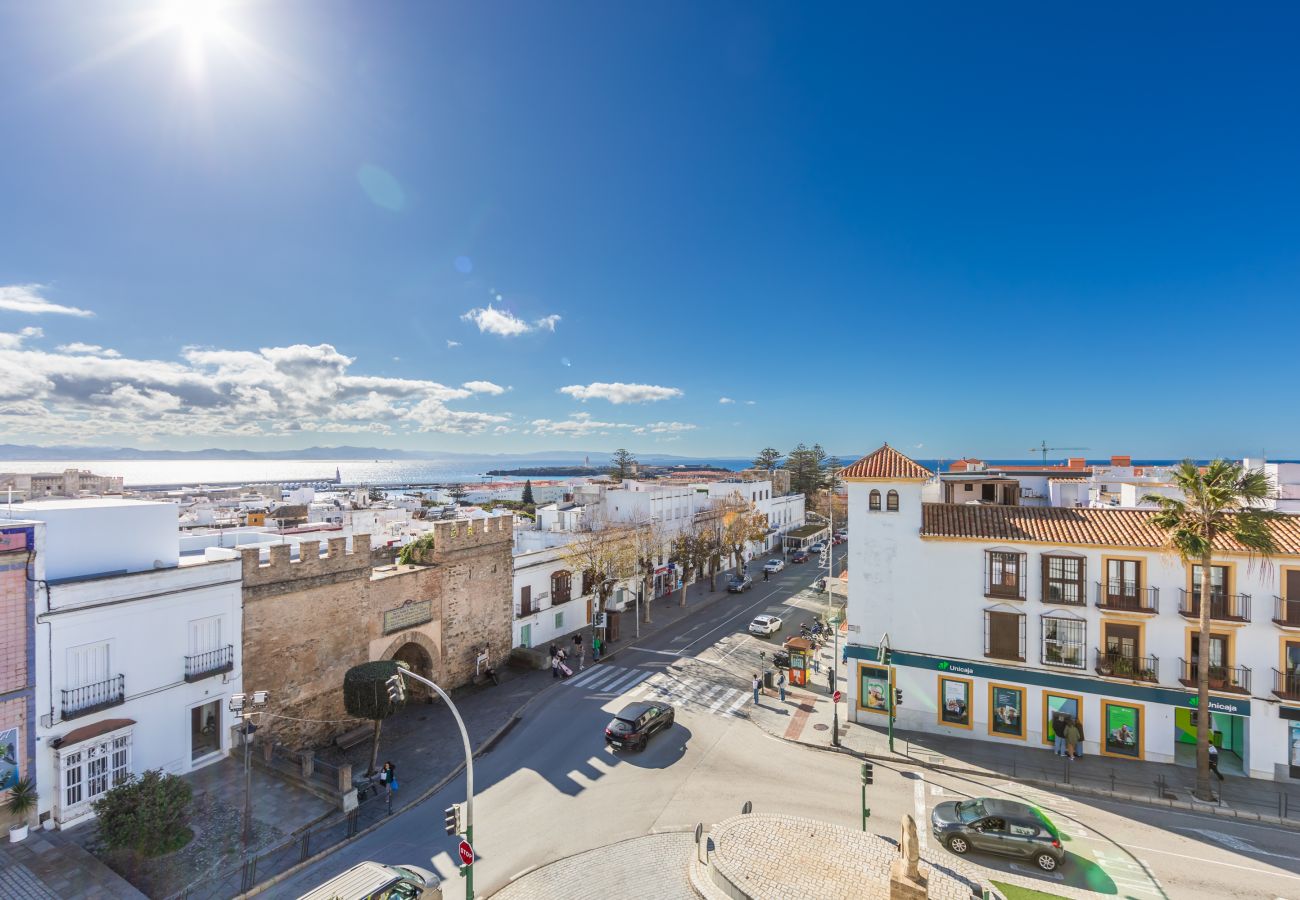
[(147, 814)]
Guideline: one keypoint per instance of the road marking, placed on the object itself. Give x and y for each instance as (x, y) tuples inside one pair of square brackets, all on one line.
[(622, 684), (672, 653), (1236, 843), (918, 793), (729, 697), (1037, 873), (595, 677), (1216, 862), (936, 791), (735, 707)]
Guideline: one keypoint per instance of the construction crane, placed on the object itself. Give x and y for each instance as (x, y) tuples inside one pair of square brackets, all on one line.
[(1044, 449)]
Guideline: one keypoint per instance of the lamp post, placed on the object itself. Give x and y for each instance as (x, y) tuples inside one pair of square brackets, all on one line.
[(403, 672), (244, 707), (830, 606)]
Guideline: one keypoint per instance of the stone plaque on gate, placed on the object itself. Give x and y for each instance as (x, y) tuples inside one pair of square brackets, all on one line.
[(408, 615)]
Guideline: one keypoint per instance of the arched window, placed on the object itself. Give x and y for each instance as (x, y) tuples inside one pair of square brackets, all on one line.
[(875, 501), (891, 501), (561, 584)]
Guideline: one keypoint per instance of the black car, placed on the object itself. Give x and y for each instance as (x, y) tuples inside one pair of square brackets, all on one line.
[(739, 584), (998, 826), (633, 726), (799, 556)]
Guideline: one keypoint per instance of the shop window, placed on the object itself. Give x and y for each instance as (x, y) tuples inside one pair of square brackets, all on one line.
[(891, 501), (873, 688), (955, 701), (874, 501), (1122, 730), (1006, 710), (1004, 635), (1056, 709), (1064, 641)]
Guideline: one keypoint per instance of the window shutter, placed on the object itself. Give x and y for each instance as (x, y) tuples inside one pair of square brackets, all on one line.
[(1046, 562)]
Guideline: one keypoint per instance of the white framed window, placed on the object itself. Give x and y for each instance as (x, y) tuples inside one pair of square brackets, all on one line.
[(90, 769), (88, 664), (205, 635)]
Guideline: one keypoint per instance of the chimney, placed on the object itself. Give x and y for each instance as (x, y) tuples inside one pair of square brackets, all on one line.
[(1077, 462), (1121, 460)]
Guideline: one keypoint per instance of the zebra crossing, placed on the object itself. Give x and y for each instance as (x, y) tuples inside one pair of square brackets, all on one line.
[(667, 685)]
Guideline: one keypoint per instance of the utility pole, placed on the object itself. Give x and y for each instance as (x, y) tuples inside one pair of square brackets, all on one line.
[(467, 869), (830, 606), (244, 708)]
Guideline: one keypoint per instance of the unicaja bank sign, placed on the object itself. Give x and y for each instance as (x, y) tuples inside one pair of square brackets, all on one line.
[(945, 666)]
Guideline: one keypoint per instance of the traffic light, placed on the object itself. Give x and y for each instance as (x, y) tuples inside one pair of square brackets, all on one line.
[(396, 689), (898, 696), (451, 816), (868, 773)]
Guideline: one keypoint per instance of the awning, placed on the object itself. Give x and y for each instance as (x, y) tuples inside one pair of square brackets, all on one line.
[(87, 732)]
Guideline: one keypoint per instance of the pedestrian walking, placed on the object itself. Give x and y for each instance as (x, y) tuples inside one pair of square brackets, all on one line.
[(1059, 721), (830, 679), (1072, 737), (580, 649), (780, 684), (757, 684), (817, 664), (596, 646), (388, 778), (1214, 760), (555, 663)]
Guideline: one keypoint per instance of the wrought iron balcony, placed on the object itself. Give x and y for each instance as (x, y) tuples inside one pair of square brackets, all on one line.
[(1286, 684), (1126, 596), (1115, 664), (1223, 607), (84, 700), (209, 663), (1227, 679), (1286, 613)]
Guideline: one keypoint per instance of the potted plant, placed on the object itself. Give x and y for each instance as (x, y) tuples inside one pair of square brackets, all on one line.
[(1218, 678), (20, 804), (1124, 667)]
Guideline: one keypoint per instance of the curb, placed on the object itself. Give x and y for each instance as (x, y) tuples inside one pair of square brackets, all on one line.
[(1224, 812)]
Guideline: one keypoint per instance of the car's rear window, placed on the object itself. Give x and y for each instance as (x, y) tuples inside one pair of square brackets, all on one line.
[(621, 726), (1046, 823)]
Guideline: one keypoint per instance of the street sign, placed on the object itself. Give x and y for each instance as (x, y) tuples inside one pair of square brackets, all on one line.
[(466, 853), (837, 696)]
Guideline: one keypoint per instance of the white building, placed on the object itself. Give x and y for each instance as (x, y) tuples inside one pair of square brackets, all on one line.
[(137, 653), (1075, 608)]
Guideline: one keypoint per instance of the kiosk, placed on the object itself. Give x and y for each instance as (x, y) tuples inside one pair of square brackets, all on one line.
[(801, 651)]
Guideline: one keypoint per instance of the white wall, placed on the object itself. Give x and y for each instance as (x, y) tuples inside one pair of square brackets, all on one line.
[(89, 537)]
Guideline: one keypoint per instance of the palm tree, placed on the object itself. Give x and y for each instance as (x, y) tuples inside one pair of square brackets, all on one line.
[(1221, 503)]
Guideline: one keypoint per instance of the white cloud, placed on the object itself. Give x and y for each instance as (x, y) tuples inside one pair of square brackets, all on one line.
[(618, 392), (750, 402), (577, 425), (725, 400), (502, 322), (81, 389), (26, 298), (92, 349), (452, 345), (664, 428)]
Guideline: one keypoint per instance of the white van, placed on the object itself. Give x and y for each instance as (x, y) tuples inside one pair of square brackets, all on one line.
[(375, 881)]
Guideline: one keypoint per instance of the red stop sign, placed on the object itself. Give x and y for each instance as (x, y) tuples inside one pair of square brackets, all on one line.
[(466, 853), (837, 696)]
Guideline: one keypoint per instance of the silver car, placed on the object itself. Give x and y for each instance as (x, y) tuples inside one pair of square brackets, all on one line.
[(1006, 827)]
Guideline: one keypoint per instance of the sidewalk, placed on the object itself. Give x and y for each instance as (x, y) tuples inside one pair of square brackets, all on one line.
[(51, 865), (806, 717)]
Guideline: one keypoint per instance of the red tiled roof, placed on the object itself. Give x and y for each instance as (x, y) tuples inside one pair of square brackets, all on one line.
[(1072, 525), (886, 463)]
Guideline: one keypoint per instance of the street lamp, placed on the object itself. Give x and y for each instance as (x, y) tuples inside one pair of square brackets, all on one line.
[(244, 707), (403, 672), (830, 606)]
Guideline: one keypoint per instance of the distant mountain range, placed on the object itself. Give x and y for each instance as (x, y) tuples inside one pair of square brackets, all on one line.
[(71, 453)]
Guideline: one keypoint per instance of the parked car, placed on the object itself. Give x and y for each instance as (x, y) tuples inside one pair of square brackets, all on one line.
[(842, 534), (817, 547), (765, 625), (839, 539), (372, 879), (1006, 827), (633, 726), (772, 566), (739, 584), (799, 556)]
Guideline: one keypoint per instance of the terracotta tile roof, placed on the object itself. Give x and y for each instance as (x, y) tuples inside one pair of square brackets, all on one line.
[(1071, 525), (886, 463)]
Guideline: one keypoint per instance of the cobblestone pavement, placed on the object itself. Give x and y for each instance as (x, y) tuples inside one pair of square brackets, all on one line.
[(776, 857), (650, 866), (48, 864)]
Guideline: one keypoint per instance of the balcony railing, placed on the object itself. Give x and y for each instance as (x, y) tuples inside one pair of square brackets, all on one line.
[(1286, 612), (82, 701), (1231, 679), (1286, 684), (209, 663), (1114, 664), (1223, 607), (1126, 596)]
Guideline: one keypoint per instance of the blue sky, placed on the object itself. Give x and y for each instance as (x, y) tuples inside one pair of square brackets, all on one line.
[(682, 228)]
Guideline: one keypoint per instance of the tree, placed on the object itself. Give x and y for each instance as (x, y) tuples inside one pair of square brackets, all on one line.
[(695, 547), (1222, 503), (608, 554), (648, 542), (768, 458), (527, 498), (365, 696), (147, 814), (457, 493), (621, 464), (742, 525), (375, 494)]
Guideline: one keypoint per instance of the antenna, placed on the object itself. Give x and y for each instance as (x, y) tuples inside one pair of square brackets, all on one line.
[(1044, 449)]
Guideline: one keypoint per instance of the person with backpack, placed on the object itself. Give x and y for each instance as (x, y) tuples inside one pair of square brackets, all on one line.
[(1059, 721)]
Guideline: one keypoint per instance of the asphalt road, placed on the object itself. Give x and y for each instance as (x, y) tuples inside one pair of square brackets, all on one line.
[(552, 788)]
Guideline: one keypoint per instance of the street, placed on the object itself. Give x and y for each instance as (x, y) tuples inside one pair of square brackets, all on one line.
[(551, 788)]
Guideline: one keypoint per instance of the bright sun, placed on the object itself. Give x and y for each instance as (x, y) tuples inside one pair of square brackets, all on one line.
[(199, 24)]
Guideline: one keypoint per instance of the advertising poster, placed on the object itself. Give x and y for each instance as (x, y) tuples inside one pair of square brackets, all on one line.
[(1056, 707), (1295, 750), (873, 690), (1123, 730), (9, 767), (1007, 711), (954, 701)]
